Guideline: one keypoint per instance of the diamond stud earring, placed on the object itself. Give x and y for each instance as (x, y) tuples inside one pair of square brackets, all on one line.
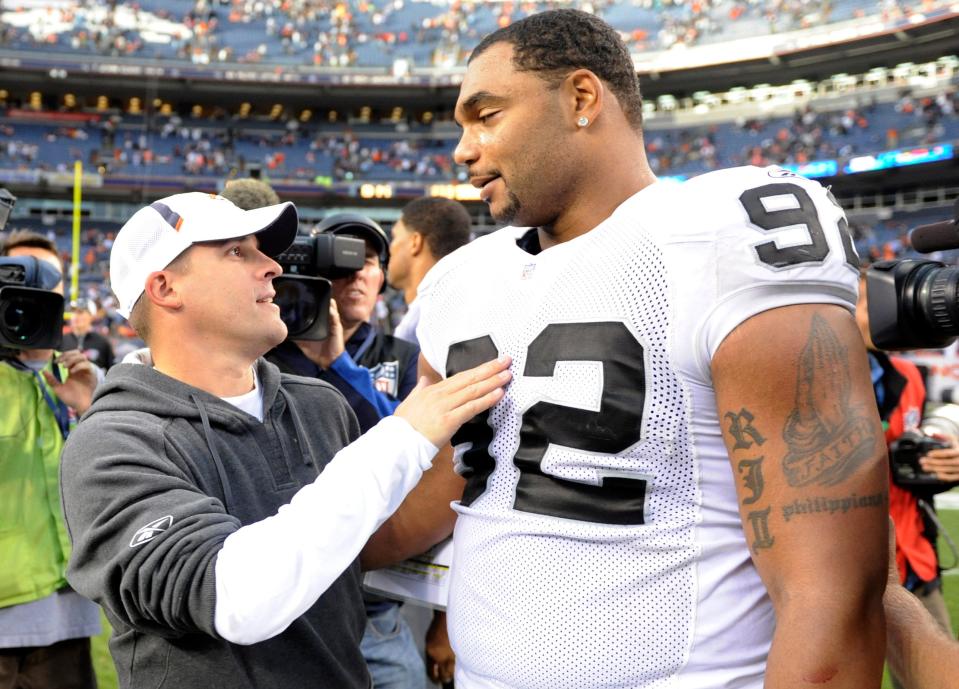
[(582, 121)]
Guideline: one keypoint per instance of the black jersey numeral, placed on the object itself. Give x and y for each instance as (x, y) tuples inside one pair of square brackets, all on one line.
[(806, 215), (477, 431), (616, 426)]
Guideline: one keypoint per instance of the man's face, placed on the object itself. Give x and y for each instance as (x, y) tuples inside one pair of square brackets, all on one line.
[(356, 295), (227, 293), (514, 141), (400, 255), (81, 321)]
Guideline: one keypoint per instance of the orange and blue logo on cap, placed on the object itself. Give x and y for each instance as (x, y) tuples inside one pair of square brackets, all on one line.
[(168, 214)]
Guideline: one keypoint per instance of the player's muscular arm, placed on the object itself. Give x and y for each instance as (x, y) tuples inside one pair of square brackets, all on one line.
[(425, 517), (799, 419)]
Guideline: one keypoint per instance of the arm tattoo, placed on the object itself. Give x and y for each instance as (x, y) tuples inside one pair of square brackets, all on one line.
[(759, 521), (745, 435), (827, 439), (829, 505), (740, 426), (752, 473)]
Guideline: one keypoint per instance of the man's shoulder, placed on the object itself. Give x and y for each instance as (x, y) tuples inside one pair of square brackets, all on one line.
[(474, 256), (707, 206)]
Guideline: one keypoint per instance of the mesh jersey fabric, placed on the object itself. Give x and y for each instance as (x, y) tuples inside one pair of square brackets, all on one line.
[(598, 543)]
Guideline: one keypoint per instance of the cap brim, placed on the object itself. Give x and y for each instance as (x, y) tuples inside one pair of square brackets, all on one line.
[(278, 225)]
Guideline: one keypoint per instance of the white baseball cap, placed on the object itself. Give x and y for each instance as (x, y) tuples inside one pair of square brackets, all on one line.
[(158, 233)]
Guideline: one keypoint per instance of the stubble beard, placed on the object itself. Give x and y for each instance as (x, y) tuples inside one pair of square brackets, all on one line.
[(511, 211)]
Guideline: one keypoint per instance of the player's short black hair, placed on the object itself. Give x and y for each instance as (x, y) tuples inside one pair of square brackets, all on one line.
[(556, 42), (444, 223)]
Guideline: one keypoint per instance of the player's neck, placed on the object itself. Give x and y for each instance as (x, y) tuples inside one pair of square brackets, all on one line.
[(418, 271), (599, 197)]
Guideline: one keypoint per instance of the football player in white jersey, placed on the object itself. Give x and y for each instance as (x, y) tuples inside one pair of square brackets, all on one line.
[(685, 484)]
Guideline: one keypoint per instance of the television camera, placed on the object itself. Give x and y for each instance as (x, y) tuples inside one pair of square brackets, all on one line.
[(914, 304), (31, 312), (304, 290)]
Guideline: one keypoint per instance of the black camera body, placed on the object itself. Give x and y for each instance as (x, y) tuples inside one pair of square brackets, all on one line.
[(904, 454), (304, 290), (31, 313), (914, 304)]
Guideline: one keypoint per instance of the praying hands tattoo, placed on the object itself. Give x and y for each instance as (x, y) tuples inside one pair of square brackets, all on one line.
[(827, 439)]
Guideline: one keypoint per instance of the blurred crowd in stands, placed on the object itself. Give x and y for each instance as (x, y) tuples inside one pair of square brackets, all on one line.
[(285, 148), (810, 135), (343, 33)]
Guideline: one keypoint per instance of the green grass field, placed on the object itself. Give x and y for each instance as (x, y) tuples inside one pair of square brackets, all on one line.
[(950, 519)]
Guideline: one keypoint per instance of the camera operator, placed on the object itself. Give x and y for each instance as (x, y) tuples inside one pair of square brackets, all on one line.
[(901, 396), (44, 625)]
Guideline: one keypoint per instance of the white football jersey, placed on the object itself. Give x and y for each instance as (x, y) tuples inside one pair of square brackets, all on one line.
[(598, 541)]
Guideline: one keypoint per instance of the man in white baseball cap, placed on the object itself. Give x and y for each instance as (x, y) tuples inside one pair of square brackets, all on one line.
[(216, 506)]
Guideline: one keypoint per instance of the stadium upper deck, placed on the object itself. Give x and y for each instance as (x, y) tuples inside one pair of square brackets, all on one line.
[(378, 33)]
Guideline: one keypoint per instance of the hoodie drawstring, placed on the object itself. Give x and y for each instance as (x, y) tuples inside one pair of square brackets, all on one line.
[(298, 427), (210, 442)]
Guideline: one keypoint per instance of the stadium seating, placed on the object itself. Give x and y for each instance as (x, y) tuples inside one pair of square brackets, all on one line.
[(190, 147), (373, 33)]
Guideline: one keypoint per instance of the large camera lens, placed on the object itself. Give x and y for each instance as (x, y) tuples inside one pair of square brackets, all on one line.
[(30, 318), (304, 306), (913, 304), (18, 324)]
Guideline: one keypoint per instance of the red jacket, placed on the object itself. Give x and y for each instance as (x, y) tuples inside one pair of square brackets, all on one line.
[(911, 545)]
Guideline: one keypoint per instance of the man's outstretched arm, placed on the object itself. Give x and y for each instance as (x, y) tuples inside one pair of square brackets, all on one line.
[(425, 517), (799, 419)]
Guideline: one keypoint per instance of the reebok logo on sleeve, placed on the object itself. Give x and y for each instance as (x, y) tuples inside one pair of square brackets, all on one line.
[(151, 530)]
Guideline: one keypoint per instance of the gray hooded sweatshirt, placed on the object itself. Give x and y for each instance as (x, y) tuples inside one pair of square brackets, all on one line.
[(154, 479)]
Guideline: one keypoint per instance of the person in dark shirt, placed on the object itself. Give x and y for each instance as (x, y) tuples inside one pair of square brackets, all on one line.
[(82, 336), (372, 369)]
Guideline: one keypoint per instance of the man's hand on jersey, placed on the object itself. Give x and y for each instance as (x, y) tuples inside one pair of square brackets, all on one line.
[(77, 390), (324, 352), (944, 463), (438, 410), (440, 659)]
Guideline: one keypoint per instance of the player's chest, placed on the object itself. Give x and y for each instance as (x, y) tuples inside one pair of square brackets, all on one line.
[(578, 305)]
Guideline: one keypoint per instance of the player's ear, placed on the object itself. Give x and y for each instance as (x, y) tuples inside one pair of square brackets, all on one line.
[(417, 242), (585, 94)]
